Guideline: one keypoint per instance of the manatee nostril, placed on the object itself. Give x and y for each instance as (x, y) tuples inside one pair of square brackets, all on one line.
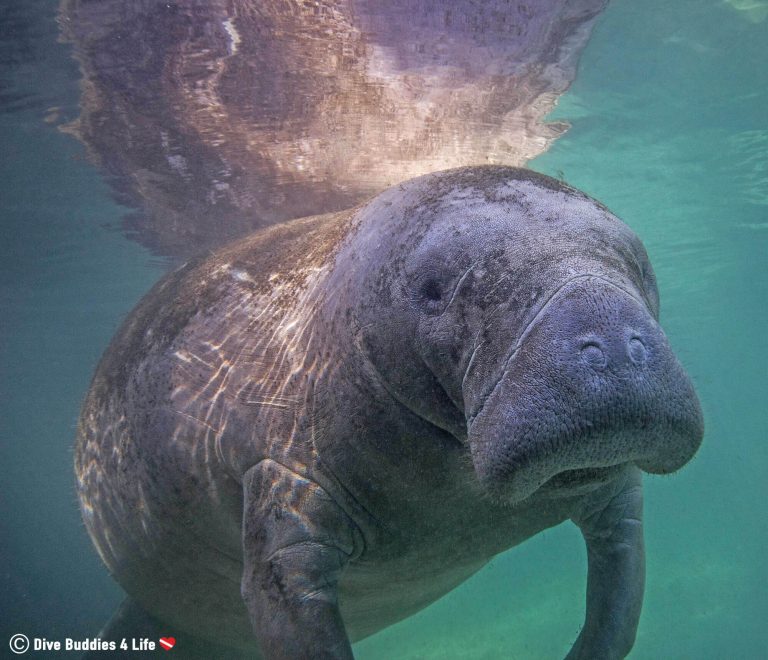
[(638, 353), (593, 355)]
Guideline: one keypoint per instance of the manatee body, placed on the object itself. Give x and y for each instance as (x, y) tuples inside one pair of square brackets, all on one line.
[(322, 428)]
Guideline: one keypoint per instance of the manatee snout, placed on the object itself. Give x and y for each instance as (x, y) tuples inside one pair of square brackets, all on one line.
[(591, 384)]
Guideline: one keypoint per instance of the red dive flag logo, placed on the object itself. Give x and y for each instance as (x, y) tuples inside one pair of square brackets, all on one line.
[(167, 642)]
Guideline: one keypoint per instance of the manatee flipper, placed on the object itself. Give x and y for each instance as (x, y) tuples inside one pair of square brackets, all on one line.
[(296, 543), (613, 531), (130, 621)]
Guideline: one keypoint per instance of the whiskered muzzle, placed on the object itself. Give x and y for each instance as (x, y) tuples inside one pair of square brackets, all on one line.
[(594, 384)]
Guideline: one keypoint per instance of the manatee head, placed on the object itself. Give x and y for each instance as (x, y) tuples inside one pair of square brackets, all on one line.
[(521, 316)]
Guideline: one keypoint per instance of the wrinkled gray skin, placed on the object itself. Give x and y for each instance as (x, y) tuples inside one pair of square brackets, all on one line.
[(344, 417)]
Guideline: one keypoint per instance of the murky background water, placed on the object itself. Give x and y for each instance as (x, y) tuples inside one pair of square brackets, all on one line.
[(669, 115)]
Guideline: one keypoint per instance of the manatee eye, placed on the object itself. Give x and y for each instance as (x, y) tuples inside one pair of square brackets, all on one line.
[(428, 294), (431, 290)]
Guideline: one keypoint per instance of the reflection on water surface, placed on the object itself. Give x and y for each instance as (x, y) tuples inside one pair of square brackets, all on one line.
[(213, 118)]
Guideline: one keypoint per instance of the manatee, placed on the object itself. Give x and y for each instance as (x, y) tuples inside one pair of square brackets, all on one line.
[(323, 427)]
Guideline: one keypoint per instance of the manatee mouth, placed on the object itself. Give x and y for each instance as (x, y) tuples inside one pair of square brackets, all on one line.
[(578, 481), (568, 465), (538, 439)]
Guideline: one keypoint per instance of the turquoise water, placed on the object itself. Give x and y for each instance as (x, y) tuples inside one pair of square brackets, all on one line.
[(669, 119), (67, 277)]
